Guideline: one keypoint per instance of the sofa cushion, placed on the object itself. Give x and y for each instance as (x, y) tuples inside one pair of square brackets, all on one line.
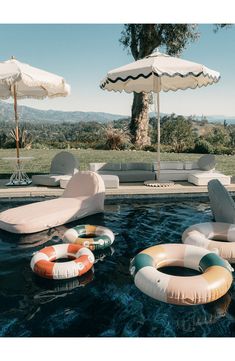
[(131, 175), (170, 165), (191, 165), (94, 167), (206, 162), (135, 176), (173, 175), (137, 166)]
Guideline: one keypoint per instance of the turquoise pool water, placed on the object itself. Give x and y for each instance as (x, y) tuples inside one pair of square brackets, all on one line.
[(105, 301)]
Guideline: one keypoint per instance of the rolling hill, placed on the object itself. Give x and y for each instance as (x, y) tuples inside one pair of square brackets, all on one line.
[(57, 116)]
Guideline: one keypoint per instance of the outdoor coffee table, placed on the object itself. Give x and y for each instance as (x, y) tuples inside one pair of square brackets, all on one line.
[(19, 177), (155, 183)]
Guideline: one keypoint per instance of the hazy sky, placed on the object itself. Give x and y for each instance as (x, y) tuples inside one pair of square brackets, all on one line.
[(84, 53)]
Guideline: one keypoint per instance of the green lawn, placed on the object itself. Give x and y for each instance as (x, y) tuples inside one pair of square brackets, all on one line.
[(43, 157)]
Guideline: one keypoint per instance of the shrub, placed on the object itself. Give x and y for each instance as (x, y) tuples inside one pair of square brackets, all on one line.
[(203, 146), (224, 150), (117, 139)]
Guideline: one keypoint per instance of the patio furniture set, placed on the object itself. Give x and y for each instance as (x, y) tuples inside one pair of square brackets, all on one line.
[(64, 165)]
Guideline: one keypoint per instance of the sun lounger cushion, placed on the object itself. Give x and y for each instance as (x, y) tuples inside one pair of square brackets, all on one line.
[(83, 196), (222, 204)]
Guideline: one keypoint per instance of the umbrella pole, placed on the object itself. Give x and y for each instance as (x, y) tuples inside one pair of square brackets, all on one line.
[(157, 110), (17, 124)]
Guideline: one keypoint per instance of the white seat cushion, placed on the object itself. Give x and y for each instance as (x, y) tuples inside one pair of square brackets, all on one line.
[(201, 178), (110, 181)]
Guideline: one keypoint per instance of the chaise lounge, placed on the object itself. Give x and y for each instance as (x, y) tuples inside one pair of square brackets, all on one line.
[(64, 164)]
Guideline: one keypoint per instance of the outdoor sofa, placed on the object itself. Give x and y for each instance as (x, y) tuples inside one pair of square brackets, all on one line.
[(199, 172)]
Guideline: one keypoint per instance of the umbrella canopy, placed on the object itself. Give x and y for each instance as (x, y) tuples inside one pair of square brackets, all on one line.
[(20, 81), (9, 73), (30, 82), (159, 72)]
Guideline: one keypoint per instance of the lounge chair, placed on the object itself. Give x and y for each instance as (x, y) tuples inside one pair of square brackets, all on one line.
[(83, 196), (222, 204), (62, 165)]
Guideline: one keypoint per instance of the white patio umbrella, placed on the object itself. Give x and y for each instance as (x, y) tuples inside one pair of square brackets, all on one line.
[(159, 72), (19, 81)]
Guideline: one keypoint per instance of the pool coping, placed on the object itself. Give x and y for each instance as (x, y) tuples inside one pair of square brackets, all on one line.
[(126, 191)]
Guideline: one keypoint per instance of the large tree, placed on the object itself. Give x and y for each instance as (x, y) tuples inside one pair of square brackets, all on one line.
[(141, 40)]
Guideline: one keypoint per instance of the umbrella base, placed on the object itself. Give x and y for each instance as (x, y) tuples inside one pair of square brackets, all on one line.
[(19, 183), (156, 183), (19, 178)]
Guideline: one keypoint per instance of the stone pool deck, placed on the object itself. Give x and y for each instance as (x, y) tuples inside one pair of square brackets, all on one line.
[(126, 190)]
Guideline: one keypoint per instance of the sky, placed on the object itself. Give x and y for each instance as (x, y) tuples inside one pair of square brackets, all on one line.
[(84, 53)]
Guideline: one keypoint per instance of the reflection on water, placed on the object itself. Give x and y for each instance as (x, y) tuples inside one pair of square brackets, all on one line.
[(58, 286), (206, 315), (105, 301)]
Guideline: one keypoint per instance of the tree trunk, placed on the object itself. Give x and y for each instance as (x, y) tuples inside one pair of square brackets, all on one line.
[(140, 120)]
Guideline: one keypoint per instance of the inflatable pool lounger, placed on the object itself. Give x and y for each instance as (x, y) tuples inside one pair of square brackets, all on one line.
[(83, 196)]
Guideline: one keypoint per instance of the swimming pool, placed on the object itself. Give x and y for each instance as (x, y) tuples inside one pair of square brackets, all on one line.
[(105, 301)]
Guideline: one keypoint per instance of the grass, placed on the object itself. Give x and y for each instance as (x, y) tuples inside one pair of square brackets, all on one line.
[(43, 157)]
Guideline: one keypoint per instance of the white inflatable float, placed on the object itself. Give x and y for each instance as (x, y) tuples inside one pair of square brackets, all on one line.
[(213, 283)]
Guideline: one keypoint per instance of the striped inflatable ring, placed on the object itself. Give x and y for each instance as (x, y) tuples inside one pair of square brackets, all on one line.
[(208, 235), (100, 237), (212, 284), (82, 261)]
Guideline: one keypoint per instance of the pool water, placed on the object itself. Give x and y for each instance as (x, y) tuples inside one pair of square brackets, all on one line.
[(105, 301)]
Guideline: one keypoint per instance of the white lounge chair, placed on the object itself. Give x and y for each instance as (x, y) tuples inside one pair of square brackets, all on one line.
[(83, 196), (63, 164)]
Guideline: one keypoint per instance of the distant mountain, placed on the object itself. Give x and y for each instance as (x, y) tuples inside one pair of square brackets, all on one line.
[(210, 118), (32, 114), (219, 119)]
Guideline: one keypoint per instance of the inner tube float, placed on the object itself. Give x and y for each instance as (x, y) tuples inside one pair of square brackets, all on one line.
[(213, 283), (43, 263), (97, 237), (209, 235)]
